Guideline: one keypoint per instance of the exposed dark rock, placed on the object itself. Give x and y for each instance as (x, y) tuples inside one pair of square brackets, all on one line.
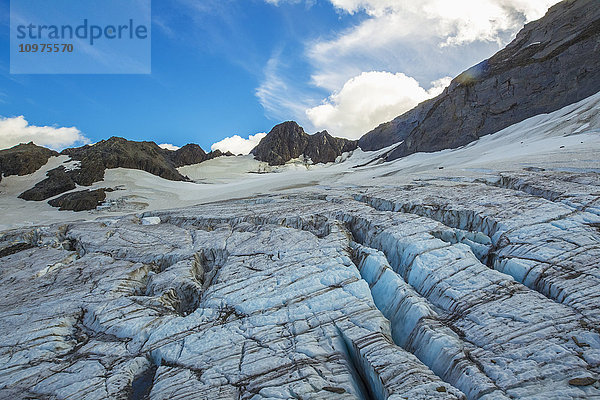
[(23, 159), (553, 62), (14, 249), (285, 142), (90, 171), (288, 140), (324, 148), (114, 153), (587, 381), (218, 153), (121, 153), (191, 154), (57, 182), (187, 155), (80, 201)]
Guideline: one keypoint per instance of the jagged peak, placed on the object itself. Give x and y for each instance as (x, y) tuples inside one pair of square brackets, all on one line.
[(288, 140)]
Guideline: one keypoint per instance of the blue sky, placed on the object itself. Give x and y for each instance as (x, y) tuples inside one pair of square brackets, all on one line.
[(226, 67)]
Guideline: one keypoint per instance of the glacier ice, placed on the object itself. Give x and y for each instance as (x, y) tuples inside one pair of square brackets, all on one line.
[(480, 288)]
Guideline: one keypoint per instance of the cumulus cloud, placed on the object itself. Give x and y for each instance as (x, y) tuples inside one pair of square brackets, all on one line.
[(17, 130), (425, 40), (168, 146), (461, 20), (404, 36), (237, 144), (438, 86), (368, 100)]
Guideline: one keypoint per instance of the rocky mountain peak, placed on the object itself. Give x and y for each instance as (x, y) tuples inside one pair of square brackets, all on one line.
[(23, 159), (288, 140), (552, 62), (187, 155), (118, 152)]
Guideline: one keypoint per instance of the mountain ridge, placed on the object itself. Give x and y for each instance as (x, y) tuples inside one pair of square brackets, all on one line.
[(115, 152), (288, 140), (23, 159), (550, 64)]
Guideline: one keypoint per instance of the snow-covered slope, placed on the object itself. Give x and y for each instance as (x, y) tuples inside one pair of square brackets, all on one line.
[(568, 138), (387, 281)]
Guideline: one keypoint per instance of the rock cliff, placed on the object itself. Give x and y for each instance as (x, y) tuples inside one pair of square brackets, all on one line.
[(552, 62), (288, 140)]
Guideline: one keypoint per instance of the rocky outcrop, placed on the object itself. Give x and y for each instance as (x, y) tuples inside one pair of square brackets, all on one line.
[(324, 148), (58, 181), (288, 140), (80, 201), (552, 62), (116, 153), (218, 153), (191, 154), (285, 142), (187, 155), (23, 159)]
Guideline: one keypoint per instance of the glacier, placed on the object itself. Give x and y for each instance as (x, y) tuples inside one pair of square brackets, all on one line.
[(358, 280)]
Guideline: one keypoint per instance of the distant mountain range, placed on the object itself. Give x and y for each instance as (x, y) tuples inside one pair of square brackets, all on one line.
[(93, 161), (285, 142)]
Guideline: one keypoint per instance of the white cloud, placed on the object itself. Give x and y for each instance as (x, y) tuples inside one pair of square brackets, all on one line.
[(237, 144), (396, 34), (368, 100), (425, 40), (17, 130), (468, 20), (438, 86), (169, 146), (280, 99)]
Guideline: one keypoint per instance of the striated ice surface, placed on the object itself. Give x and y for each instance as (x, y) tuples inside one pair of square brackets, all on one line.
[(465, 274), (465, 288)]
